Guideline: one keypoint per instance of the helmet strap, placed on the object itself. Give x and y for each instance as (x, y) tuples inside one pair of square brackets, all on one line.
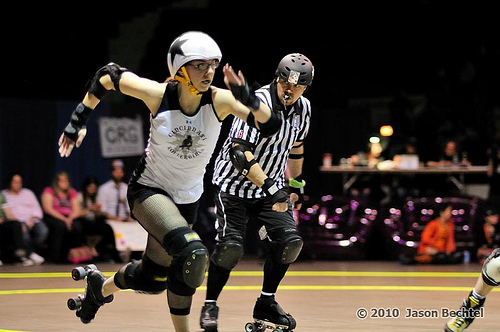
[(186, 80)]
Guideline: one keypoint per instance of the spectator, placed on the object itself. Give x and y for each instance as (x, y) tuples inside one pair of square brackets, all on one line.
[(25, 208), (488, 238), (112, 195), (12, 247), (450, 156), (437, 243), (61, 207), (372, 157), (100, 237), (368, 186)]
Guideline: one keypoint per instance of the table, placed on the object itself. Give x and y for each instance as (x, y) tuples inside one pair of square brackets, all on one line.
[(455, 173)]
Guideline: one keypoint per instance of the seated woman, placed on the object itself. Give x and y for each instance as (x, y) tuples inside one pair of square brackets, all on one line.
[(100, 236), (437, 242), (12, 246), (25, 209), (61, 209)]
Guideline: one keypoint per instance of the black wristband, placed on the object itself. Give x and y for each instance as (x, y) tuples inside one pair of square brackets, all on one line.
[(273, 193), (79, 119), (269, 187), (245, 96)]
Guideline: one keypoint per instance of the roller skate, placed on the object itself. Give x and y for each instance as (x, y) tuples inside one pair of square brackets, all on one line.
[(469, 310), (208, 317), (86, 305), (268, 314)]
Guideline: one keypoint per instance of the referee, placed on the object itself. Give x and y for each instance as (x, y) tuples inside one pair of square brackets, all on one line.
[(250, 176)]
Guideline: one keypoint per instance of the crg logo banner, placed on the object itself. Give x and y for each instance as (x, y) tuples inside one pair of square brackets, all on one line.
[(121, 137)]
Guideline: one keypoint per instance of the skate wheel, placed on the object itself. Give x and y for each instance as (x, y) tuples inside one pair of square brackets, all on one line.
[(249, 327), (74, 303), (277, 330), (78, 273), (91, 267)]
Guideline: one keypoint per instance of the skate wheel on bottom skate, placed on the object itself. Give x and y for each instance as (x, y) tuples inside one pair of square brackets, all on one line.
[(78, 273), (278, 330), (74, 303), (250, 327)]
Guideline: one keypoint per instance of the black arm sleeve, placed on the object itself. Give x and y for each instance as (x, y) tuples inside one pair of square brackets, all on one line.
[(272, 125)]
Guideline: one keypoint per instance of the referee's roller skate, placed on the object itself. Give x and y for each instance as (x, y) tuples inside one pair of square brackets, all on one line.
[(470, 309), (208, 317), (86, 305), (268, 314)]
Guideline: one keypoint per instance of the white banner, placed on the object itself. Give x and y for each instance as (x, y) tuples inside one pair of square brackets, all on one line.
[(121, 137)]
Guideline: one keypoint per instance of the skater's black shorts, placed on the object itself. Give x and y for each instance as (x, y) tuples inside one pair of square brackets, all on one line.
[(139, 192), (233, 214)]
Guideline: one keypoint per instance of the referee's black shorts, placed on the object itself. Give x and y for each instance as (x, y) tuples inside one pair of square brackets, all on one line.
[(234, 212)]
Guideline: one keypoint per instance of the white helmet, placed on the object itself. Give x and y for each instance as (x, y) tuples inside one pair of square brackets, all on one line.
[(189, 46)]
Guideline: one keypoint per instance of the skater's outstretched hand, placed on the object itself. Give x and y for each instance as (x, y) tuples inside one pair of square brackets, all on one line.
[(66, 144), (230, 77)]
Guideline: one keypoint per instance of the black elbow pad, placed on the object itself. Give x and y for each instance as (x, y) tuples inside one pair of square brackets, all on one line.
[(272, 126), (239, 160), (95, 87)]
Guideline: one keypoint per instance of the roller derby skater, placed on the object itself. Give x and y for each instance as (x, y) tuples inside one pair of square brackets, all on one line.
[(250, 178), (166, 186), (473, 304), (86, 305)]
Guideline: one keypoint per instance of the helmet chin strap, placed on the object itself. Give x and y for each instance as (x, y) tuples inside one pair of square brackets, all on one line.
[(186, 80)]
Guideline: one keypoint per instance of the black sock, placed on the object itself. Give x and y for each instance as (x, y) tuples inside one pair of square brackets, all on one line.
[(217, 278), (273, 274)]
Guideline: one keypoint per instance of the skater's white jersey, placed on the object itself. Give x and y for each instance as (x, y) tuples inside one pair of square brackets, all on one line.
[(179, 148)]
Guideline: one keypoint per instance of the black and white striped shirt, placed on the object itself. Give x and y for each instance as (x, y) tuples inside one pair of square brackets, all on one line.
[(270, 152)]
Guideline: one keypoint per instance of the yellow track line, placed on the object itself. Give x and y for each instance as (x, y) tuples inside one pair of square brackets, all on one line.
[(76, 291), (289, 273)]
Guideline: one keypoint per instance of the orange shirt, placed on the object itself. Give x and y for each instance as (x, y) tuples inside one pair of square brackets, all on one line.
[(438, 236)]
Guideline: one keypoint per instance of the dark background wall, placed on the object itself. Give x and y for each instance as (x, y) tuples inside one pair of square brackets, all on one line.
[(429, 68)]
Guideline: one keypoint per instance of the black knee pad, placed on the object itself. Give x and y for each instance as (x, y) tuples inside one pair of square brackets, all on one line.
[(227, 254), (143, 276), (190, 256), (287, 250)]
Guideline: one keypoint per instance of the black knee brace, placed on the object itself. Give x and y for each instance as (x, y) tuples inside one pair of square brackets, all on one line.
[(287, 250), (143, 276), (190, 256), (227, 254)]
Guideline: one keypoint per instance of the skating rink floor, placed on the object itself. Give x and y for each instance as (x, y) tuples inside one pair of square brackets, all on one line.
[(321, 295)]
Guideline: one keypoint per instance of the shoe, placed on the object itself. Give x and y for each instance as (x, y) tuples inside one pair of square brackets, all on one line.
[(470, 309), (23, 261), (268, 310), (209, 316), (36, 258), (93, 298)]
